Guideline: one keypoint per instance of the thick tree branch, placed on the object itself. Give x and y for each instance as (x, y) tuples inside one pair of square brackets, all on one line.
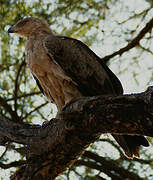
[(132, 43), (53, 147)]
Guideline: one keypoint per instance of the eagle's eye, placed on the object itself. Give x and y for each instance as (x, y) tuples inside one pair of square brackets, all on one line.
[(21, 23)]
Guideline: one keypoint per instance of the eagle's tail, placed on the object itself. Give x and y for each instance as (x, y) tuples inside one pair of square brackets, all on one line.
[(131, 144)]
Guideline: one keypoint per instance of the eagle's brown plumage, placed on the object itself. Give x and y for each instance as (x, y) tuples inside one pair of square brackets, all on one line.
[(65, 68)]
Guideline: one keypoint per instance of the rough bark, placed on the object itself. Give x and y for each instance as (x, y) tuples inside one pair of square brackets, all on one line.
[(53, 147)]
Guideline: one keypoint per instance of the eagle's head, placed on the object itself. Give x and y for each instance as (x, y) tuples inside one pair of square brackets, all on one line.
[(28, 25)]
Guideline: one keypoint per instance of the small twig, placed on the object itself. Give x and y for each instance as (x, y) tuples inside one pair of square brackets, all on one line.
[(113, 144), (7, 107), (23, 96), (136, 15), (12, 164), (16, 84), (42, 105), (146, 49)]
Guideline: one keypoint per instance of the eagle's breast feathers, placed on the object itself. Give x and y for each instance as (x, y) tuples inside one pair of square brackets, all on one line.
[(57, 86)]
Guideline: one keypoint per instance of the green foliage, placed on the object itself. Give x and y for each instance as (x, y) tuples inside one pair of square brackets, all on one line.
[(104, 25), (150, 1)]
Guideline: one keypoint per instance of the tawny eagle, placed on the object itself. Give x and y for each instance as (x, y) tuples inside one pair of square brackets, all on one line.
[(65, 68)]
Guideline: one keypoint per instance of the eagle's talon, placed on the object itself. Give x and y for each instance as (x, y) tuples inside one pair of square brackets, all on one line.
[(46, 123)]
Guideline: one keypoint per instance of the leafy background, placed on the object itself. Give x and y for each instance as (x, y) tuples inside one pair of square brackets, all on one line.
[(105, 26)]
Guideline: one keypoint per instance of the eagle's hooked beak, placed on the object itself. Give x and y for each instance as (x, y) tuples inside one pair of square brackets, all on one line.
[(11, 30)]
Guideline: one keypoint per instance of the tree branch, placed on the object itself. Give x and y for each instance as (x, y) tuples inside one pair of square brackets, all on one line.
[(8, 109), (36, 109), (17, 83), (109, 167), (146, 49), (137, 15), (132, 43), (115, 146), (53, 147), (12, 164), (23, 96)]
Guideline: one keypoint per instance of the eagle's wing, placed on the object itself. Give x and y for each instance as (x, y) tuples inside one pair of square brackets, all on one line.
[(92, 77), (83, 66)]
